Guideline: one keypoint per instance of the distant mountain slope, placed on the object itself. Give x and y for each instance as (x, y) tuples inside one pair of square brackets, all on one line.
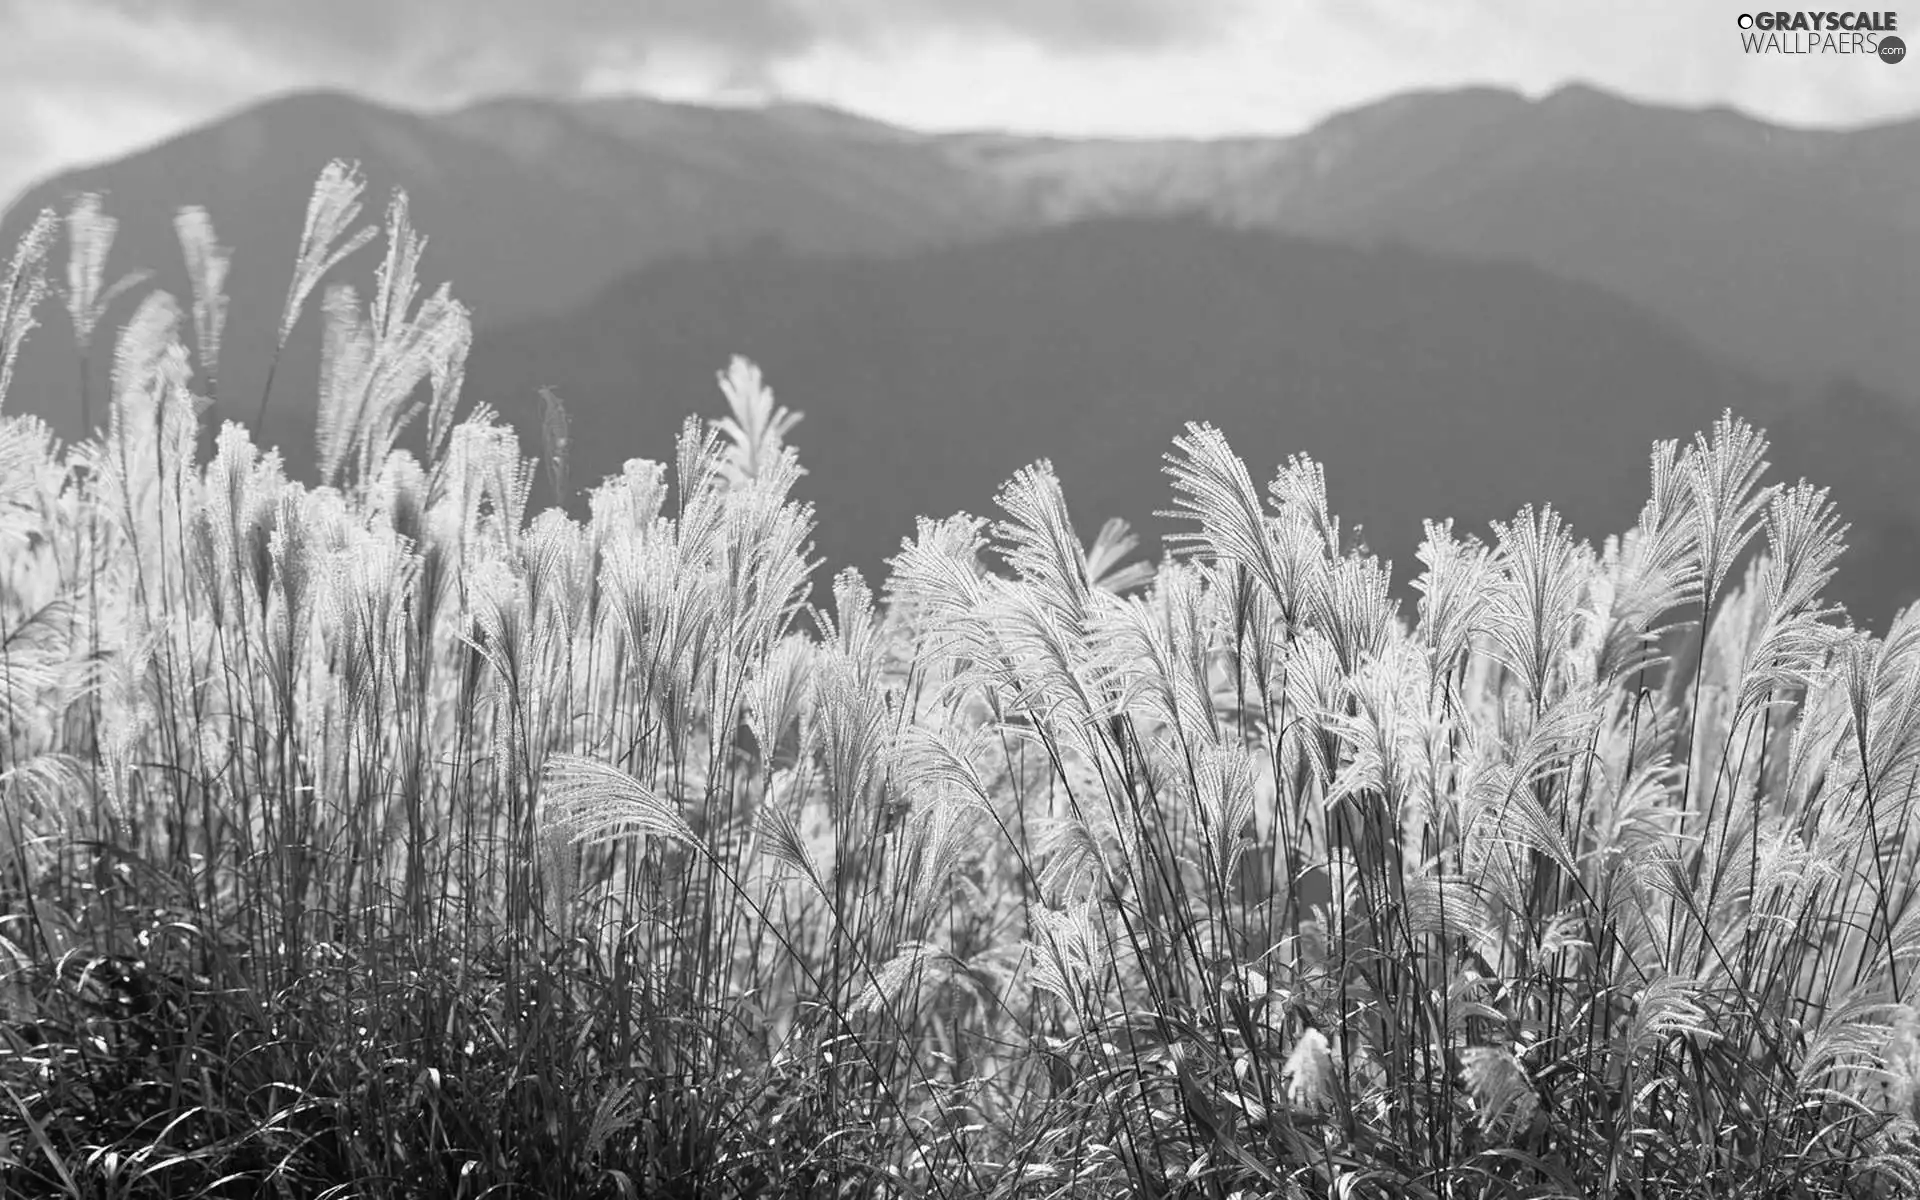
[(254, 171), (1792, 254), (1430, 386), (528, 206)]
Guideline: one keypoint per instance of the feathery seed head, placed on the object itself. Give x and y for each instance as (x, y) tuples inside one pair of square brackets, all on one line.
[(590, 801), (1106, 555), (1453, 593), (757, 429), (1039, 543), (1723, 474), (1309, 1073), (21, 290), (1503, 1096), (346, 370), (90, 233), (780, 694), (1301, 486), (1067, 953), (325, 240), (556, 441), (207, 265)]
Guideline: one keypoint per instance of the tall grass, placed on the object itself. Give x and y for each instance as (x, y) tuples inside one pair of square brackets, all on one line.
[(382, 838)]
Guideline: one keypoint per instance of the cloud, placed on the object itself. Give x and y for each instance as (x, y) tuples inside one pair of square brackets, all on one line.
[(1687, 54), (1287, 64), (87, 79), (79, 82), (438, 48)]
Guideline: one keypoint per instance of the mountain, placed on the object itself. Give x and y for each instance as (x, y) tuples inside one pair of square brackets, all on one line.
[(1793, 254), (528, 206), (1429, 385), (1461, 300), (253, 173), (812, 179)]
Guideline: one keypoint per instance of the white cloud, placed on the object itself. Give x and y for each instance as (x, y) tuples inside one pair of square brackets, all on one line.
[(84, 79), (1289, 63), (80, 83)]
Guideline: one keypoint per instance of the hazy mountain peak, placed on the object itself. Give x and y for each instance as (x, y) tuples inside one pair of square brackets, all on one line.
[(826, 119), (1427, 104), (1577, 93)]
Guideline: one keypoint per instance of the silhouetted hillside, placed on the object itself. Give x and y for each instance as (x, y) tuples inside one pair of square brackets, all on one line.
[(1789, 253), (528, 206), (1431, 387)]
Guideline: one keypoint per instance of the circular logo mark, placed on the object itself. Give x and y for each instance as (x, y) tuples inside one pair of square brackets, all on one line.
[(1892, 50)]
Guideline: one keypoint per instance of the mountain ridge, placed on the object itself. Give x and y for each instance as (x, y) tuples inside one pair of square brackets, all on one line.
[(1430, 386), (1781, 260), (1789, 251)]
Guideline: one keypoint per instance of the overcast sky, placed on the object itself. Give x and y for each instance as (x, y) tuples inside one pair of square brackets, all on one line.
[(89, 79)]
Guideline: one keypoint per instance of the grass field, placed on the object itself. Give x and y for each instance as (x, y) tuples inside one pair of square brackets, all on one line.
[(382, 838)]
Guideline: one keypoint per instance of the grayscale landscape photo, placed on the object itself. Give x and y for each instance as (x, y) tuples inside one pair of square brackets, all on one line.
[(959, 598)]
